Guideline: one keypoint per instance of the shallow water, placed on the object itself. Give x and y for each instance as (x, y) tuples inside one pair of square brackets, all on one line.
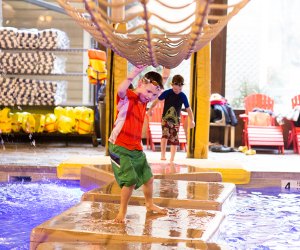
[(263, 219), (23, 206), (259, 218)]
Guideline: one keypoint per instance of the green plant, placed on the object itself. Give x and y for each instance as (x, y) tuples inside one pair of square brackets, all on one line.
[(244, 89)]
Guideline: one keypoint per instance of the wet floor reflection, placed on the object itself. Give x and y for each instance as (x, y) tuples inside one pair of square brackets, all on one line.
[(178, 189), (109, 244), (104, 167), (190, 215), (171, 193), (163, 168), (91, 220), (166, 168)]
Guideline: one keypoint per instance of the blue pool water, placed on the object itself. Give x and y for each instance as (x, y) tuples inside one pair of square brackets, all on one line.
[(263, 219), (260, 219), (23, 206)]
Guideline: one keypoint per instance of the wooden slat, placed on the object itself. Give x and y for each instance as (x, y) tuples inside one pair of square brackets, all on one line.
[(265, 136), (266, 142)]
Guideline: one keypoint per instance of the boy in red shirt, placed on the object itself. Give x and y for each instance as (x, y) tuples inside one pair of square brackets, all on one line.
[(129, 162)]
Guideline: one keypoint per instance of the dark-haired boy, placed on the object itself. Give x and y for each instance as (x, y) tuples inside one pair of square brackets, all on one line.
[(174, 98)]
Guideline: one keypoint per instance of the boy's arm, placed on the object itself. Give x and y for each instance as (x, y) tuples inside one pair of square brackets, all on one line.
[(159, 99), (165, 74), (149, 112), (125, 84), (191, 116)]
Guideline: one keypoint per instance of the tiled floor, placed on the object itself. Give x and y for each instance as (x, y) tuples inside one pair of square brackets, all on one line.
[(48, 154), (51, 154)]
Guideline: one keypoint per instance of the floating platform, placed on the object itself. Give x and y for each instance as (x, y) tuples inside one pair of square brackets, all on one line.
[(70, 169), (126, 245), (227, 171), (91, 223), (100, 175), (232, 171), (172, 193), (184, 172), (96, 176)]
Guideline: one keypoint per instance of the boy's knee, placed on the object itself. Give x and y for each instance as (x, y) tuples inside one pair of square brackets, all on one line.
[(150, 181)]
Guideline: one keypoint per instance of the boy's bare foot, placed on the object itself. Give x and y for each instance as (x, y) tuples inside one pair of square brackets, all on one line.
[(120, 218), (156, 209), (163, 158)]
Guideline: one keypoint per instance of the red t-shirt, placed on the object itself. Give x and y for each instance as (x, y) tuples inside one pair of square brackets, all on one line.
[(127, 131)]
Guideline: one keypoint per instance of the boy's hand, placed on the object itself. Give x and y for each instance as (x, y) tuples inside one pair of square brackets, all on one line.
[(149, 112), (165, 74), (192, 124), (137, 70), (125, 83)]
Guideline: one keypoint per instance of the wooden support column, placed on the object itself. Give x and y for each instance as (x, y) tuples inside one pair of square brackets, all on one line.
[(116, 73), (198, 137), (218, 56)]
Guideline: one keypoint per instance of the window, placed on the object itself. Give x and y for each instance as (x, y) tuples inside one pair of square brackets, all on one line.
[(263, 52)]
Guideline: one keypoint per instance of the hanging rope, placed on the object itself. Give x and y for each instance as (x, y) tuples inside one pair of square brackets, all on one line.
[(159, 32)]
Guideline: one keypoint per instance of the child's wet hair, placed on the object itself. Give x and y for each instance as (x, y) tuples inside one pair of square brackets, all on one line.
[(178, 80), (154, 77)]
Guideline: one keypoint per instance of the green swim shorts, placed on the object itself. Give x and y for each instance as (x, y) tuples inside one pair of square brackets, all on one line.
[(130, 166)]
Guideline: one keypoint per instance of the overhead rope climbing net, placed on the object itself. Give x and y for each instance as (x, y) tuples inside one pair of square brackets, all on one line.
[(157, 32)]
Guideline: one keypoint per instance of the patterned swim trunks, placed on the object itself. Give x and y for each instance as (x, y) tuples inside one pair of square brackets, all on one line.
[(170, 131)]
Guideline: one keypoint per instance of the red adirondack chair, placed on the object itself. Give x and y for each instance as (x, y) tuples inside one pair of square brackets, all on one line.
[(154, 132), (294, 133), (260, 128)]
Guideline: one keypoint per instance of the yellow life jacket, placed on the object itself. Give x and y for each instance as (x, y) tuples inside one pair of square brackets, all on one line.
[(16, 122), (5, 121), (85, 120), (66, 124), (50, 123), (97, 66), (28, 123), (39, 123)]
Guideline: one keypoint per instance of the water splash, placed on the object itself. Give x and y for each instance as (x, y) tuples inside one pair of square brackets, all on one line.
[(29, 204), (32, 140), (2, 143)]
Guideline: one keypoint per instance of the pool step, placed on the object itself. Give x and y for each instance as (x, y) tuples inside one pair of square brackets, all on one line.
[(172, 193), (126, 245), (92, 223), (197, 169)]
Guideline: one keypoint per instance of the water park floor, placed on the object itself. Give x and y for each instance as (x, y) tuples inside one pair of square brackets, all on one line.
[(98, 206), (51, 154), (263, 169)]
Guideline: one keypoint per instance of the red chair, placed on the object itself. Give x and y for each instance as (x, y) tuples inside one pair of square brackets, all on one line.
[(154, 132), (260, 128), (294, 133)]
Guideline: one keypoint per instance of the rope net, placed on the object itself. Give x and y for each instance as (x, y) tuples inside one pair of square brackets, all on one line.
[(158, 32)]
